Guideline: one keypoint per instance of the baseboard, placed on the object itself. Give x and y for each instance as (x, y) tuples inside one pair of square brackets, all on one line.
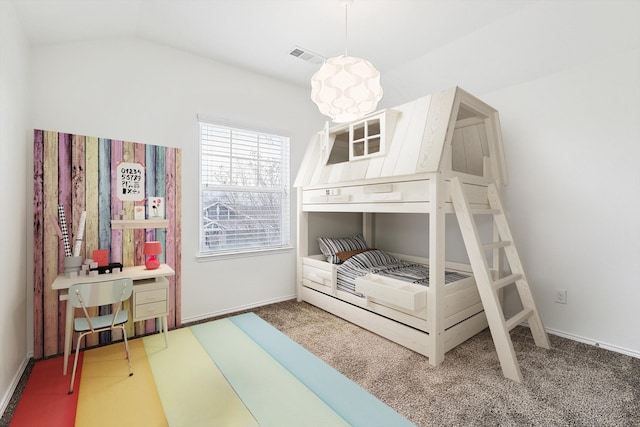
[(236, 309), (584, 340), (14, 384)]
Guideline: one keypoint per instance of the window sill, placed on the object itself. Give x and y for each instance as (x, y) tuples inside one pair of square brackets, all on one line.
[(242, 254)]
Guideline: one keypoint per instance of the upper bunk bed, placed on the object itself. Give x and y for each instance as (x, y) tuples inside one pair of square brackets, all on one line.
[(386, 161), (438, 155)]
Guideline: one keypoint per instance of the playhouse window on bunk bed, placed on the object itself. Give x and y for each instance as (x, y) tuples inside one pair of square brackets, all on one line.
[(358, 140)]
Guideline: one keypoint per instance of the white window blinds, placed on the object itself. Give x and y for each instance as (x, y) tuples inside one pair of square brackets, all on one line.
[(244, 197)]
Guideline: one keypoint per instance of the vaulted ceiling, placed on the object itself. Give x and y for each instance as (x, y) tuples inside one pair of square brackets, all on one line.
[(258, 34), (495, 42)]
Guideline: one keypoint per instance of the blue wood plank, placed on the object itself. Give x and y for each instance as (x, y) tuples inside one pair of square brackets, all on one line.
[(160, 191), (150, 183)]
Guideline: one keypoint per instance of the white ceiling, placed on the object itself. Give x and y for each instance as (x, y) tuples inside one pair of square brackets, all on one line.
[(258, 34)]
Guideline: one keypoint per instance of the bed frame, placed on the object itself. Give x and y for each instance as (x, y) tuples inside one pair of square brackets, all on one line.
[(429, 320), (438, 155), (395, 309)]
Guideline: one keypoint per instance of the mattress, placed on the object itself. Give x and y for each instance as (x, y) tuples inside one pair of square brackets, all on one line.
[(376, 261)]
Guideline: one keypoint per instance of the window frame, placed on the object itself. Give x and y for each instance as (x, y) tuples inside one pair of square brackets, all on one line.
[(283, 189)]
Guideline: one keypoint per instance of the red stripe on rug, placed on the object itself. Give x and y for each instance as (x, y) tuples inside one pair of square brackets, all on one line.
[(46, 401)]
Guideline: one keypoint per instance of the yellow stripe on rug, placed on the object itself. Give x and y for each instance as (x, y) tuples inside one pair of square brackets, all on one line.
[(110, 397), (192, 389)]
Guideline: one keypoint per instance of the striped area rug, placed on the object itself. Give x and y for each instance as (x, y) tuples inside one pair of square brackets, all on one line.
[(238, 371)]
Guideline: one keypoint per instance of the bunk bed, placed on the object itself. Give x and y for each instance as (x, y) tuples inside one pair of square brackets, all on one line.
[(420, 157)]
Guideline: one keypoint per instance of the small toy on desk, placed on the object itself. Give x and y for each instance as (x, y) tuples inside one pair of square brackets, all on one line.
[(101, 256), (106, 269)]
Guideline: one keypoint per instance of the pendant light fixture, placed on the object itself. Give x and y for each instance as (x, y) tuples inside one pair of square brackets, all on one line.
[(346, 88)]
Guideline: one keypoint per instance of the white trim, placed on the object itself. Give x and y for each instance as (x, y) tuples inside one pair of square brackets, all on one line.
[(237, 309), (14, 383), (206, 257), (216, 120), (611, 347)]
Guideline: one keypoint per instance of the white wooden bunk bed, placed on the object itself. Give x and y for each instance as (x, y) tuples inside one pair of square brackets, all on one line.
[(438, 155)]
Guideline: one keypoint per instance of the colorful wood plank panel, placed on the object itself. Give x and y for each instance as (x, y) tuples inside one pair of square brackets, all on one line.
[(77, 172)]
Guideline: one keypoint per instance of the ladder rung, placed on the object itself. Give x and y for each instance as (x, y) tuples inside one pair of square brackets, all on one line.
[(515, 320), (485, 211), (496, 245), (507, 280)]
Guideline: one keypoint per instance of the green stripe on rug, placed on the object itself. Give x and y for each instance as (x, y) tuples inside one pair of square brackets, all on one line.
[(274, 396), (192, 389), (357, 406)]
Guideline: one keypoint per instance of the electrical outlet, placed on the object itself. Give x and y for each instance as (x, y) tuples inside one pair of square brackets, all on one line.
[(561, 296)]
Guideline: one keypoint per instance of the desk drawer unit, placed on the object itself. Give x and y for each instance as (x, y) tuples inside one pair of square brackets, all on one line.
[(151, 300)]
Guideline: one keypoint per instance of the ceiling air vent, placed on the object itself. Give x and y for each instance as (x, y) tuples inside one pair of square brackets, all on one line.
[(307, 55)]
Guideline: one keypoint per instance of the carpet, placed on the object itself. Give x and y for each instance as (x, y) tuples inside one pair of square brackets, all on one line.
[(237, 371)]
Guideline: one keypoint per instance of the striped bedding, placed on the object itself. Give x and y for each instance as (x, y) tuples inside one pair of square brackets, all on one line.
[(379, 262)]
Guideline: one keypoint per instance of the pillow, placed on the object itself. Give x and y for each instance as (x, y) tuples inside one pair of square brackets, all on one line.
[(330, 246), (371, 259)]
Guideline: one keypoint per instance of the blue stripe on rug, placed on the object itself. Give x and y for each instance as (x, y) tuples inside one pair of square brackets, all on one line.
[(357, 406)]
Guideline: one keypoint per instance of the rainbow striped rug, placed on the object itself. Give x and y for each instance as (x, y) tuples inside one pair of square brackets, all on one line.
[(238, 371)]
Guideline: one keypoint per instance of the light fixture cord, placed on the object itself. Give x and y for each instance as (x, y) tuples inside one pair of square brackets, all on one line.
[(346, 26)]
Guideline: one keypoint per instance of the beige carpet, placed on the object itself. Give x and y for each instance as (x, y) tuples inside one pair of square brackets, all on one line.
[(571, 384)]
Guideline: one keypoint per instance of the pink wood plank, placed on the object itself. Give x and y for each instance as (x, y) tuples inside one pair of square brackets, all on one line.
[(177, 221), (170, 248), (52, 245), (38, 243)]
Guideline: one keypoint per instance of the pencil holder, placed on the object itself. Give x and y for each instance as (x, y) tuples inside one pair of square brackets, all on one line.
[(72, 263)]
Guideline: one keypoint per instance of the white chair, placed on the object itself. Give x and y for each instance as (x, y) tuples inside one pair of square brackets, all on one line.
[(85, 295)]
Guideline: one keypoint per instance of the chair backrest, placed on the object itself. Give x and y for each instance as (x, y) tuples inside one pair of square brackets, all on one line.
[(95, 294)]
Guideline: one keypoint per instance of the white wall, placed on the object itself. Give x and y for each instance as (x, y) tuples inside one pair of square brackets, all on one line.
[(565, 77), (14, 166), (143, 92), (572, 143)]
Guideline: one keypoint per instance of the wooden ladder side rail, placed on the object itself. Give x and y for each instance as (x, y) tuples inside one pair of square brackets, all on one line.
[(538, 331), (487, 287)]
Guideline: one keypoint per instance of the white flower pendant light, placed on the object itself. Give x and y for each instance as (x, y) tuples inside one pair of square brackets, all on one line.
[(345, 87)]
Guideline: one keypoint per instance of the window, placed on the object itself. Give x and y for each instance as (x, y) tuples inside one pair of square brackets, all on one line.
[(244, 197), (361, 139)]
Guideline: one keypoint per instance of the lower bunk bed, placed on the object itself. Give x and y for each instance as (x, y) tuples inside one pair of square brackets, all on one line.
[(388, 294)]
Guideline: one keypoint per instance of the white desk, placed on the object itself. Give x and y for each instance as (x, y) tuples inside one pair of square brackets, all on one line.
[(146, 284)]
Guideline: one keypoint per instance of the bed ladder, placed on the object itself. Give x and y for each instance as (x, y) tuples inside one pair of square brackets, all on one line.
[(488, 287)]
